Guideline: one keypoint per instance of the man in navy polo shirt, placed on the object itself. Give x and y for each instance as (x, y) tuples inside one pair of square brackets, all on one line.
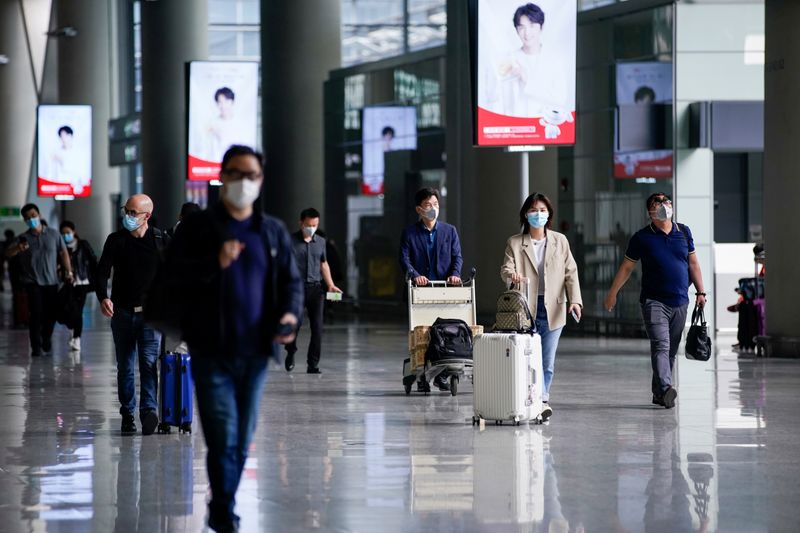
[(430, 250), (669, 263)]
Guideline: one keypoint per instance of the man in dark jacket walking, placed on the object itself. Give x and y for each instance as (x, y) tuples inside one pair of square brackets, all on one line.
[(242, 295)]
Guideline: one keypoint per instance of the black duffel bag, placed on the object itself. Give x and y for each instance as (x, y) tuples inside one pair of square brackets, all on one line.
[(698, 343), (68, 310), (451, 338)]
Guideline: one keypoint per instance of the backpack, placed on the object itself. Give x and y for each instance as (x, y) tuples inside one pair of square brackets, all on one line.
[(513, 314), (451, 338)]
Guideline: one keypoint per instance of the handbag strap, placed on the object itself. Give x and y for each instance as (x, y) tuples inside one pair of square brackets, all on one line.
[(698, 314)]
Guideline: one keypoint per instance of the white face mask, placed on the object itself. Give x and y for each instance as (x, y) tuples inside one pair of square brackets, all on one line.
[(663, 212), (309, 231), (242, 193)]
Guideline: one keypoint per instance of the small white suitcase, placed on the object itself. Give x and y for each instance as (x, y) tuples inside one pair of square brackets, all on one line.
[(507, 377)]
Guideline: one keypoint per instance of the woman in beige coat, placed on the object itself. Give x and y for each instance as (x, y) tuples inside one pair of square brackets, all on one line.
[(543, 256)]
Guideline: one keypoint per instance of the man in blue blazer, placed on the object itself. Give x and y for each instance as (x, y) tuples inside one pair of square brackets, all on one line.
[(430, 249)]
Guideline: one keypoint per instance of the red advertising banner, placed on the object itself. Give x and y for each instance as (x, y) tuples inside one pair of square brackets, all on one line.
[(525, 72), (645, 164), (201, 170)]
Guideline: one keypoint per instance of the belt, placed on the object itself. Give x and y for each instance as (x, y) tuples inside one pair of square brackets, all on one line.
[(313, 283)]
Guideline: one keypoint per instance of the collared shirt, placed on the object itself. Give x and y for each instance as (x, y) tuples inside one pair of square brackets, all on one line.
[(309, 256), (431, 250), (39, 262), (243, 291), (665, 263)]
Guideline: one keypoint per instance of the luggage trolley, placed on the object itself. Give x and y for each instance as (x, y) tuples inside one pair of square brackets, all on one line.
[(426, 304)]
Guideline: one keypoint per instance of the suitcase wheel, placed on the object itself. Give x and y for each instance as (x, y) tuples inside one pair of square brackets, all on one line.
[(163, 428), (186, 428)]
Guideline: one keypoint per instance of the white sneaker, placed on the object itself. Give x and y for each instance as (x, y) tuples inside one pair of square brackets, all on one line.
[(75, 344)]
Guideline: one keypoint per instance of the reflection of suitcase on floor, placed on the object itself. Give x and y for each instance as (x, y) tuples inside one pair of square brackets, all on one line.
[(517, 458), (508, 377), (176, 392)]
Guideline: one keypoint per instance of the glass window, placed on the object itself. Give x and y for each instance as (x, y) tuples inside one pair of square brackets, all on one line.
[(251, 44), (222, 43)]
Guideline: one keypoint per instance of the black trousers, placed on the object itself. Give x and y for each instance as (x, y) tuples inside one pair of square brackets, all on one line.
[(80, 296), (42, 302), (315, 306)]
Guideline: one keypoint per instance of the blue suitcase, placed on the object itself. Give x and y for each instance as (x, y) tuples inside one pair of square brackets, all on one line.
[(176, 392)]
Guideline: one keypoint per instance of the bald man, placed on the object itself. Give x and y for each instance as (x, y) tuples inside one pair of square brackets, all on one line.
[(133, 253)]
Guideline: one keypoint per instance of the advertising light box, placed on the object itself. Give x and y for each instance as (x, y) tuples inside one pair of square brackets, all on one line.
[(525, 72), (385, 129), (64, 141), (223, 110), (644, 90)]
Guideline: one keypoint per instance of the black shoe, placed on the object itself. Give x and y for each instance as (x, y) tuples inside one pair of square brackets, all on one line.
[(669, 398), (47, 347), (423, 386), (149, 420), (224, 526), (128, 426), (441, 382), (547, 412), (36, 353), (288, 363), (313, 370), (658, 400)]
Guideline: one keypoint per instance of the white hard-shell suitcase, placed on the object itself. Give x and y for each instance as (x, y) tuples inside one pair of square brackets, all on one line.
[(509, 477), (508, 377)]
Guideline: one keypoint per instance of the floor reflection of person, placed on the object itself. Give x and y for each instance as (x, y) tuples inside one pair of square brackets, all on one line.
[(667, 507)]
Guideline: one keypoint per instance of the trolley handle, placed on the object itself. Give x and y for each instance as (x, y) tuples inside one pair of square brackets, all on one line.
[(465, 282)]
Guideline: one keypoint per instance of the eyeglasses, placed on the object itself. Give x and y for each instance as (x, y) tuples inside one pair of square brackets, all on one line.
[(132, 212), (236, 174), (664, 201)]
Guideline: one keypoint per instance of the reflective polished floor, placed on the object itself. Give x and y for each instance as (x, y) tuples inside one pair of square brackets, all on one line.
[(348, 451)]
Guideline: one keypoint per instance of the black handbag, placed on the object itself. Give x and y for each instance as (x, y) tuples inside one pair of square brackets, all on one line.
[(698, 343)]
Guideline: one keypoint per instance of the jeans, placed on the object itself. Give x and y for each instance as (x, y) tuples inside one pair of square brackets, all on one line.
[(132, 336), (664, 325), (228, 392), (42, 302), (315, 307), (549, 344)]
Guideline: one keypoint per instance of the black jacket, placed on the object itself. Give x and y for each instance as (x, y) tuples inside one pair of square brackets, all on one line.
[(196, 277), (84, 261)]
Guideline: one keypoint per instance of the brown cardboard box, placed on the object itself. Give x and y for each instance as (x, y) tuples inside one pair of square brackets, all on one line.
[(476, 330), (420, 335)]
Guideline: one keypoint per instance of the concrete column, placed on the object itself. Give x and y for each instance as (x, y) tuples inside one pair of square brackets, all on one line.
[(300, 44), (484, 189), (85, 77), (173, 33), (781, 170), (17, 106)]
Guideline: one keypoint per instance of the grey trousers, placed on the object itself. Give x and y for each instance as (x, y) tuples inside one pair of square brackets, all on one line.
[(664, 325)]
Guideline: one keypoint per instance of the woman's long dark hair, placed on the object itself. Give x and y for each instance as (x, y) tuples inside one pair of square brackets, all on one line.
[(529, 201)]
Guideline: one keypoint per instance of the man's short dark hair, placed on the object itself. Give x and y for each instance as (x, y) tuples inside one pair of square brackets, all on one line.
[(532, 11), (240, 149), (188, 208), (424, 194), (224, 91), (67, 224), (387, 130), (309, 212), (9, 234), (643, 93), (65, 129), (28, 207), (528, 203), (656, 197)]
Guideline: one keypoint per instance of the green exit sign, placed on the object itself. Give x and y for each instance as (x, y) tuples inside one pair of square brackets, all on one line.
[(9, 212)]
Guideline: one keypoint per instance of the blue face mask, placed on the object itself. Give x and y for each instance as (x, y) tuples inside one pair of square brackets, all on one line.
[(69, 237), (538, 219), (131, 223), (32, 222)]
